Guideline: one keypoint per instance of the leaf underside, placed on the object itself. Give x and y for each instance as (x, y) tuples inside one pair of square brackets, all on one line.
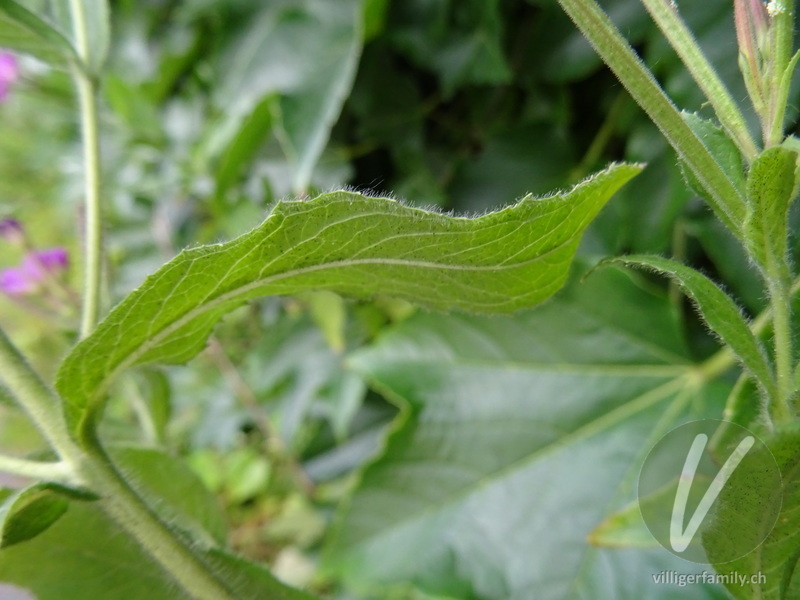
[(351, 244)]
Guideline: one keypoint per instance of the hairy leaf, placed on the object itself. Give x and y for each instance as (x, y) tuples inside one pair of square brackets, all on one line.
[(519, 435), (717, 309), (348, 243)]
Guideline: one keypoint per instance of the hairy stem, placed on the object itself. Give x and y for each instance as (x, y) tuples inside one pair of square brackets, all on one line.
[(724, 198), (781, 319), (86, 86), (34, 398), (132, 513), (665, 14)]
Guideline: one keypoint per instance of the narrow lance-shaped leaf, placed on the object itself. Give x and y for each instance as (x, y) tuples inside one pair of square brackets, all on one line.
[(350, 244), (721, 147), (717, 309)]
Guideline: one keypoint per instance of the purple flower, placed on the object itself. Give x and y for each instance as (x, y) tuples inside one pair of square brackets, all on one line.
[(14, 282), (9, 73), (35, 267), (40, 262), (11, 231)]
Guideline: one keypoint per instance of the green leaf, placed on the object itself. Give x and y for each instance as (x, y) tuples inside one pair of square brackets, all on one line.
[(306, 83), (244, 146), (177, 495), (462, 42), (347, 243), (88, 556), (87, 24), (519, 435), (721, 147), (776, 559), (28, 512), (98, 32), (623, 529), (718, 310), (29, 33), (770, 185), (307, 114)]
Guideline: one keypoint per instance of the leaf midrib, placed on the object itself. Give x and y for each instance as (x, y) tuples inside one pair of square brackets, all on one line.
[(155, 340)]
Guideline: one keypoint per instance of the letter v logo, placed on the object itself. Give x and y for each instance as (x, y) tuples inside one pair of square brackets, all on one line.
[(680, 538)]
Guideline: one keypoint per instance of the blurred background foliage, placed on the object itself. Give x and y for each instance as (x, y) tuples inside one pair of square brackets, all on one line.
[(215, 109)]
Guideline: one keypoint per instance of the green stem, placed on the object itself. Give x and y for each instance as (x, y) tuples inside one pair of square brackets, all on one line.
[(86, 86), (60, 472), (782, 67), (133, 515), (34, 398), (665, 14), (781, 319), (95, 471), (724, 198)]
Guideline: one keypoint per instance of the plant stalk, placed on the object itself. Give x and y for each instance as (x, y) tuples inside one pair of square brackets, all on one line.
[(782, 338), (665, 14), (60, 472), (34, 398), (95, 471), (132, 513), (782, 12), (727, 202), (86, 86)]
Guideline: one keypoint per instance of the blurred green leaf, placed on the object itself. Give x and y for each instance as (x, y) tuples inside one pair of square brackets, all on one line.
[(626, 527), (500, 262), (88, 556), (28, 512), (132, 105), (244, 146), (98, 32), (304, 54), (176, 494), (246, 475), (374, 15), (25, 31), (518, 436), (461, 41)]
